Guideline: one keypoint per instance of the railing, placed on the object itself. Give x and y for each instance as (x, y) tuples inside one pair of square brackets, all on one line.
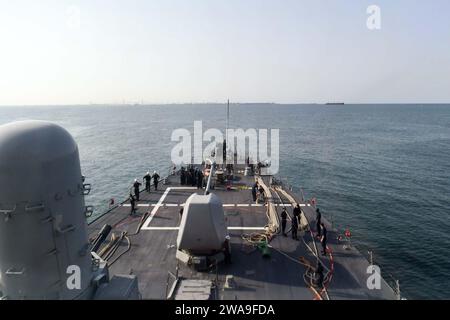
[(391, 281), (112, 207)]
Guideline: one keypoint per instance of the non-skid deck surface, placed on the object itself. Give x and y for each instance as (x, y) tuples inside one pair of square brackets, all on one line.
[(152, 253)]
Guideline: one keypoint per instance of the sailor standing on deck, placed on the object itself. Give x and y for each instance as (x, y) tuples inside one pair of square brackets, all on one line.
[(199, 179), (323, 239), (155, 179), (226, 247), (283, 221), (261, 193), (182, 176), (318, 221), (297, 213), (294, 228), (136, 186), (194, 177), (254, 189), (319, 275), (147, 179), (188, 176), (133, 204)]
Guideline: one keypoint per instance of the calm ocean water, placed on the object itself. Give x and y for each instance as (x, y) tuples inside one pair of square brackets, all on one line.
[(381, 170)]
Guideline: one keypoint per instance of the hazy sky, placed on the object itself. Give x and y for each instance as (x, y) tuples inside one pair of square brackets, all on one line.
[(70, 52)]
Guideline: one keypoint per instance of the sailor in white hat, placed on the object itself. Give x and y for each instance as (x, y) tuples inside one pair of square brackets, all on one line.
[(227, 249), (148, 179), (136, 186), (155, 179)]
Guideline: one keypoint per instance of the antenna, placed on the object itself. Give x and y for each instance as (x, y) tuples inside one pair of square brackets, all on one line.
[(224, 147), (228, 116)]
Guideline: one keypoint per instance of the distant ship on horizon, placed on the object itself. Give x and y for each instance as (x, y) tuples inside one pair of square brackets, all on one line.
[(335, 103)]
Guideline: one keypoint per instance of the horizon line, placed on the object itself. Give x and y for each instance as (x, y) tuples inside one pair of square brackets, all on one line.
[(222, 103)]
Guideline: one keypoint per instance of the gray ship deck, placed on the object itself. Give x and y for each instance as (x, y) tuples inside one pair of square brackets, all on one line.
[(151, 252)]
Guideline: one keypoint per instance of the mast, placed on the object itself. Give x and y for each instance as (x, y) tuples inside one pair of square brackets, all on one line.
[(224, 150), (228, 117)]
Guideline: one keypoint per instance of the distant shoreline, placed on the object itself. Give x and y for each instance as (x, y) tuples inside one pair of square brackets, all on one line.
[(224, 103)]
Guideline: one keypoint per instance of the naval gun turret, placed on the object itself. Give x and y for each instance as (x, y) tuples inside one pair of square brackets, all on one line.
[(202, 231), (202, 236), (44, 249)]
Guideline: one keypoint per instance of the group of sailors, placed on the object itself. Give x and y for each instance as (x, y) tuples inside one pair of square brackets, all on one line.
[(295, 221), (321, 230), (257, 192), (135, 189), (195, 177), (255, 169), (321, 234), (192, 176), (148, 181)]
